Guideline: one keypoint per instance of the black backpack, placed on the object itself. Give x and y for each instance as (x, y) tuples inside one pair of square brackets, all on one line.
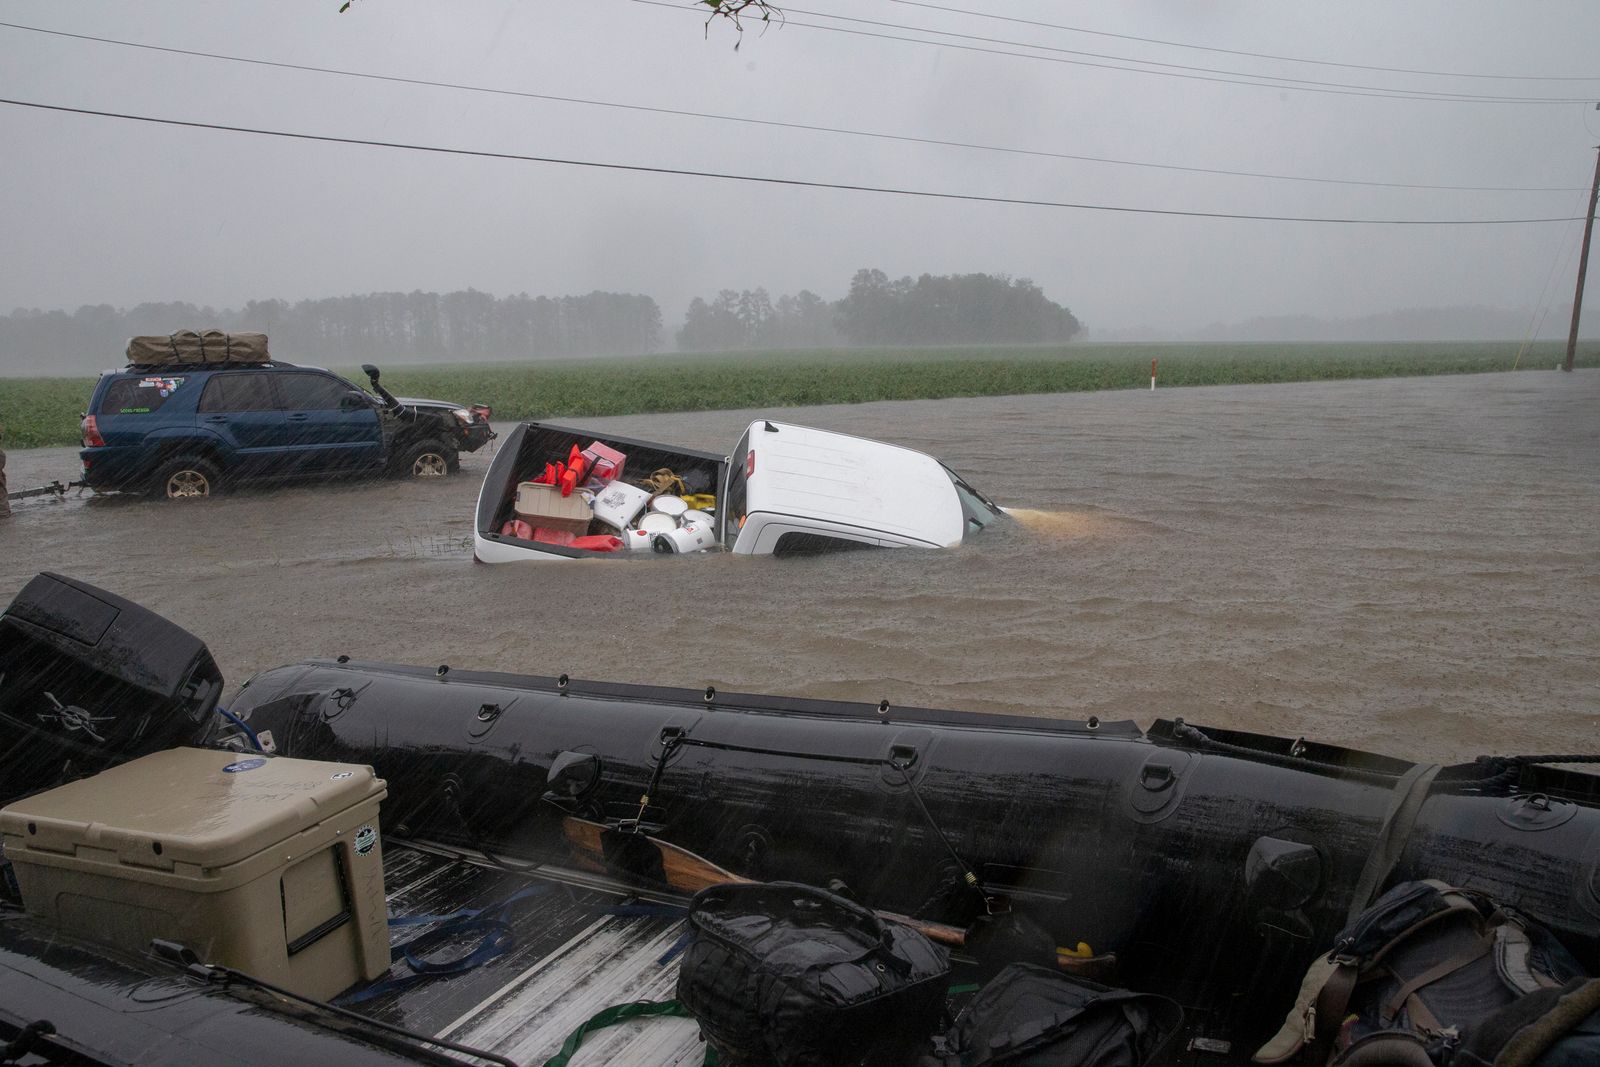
[(788, 974), (1412, 976), (1031, 1016)]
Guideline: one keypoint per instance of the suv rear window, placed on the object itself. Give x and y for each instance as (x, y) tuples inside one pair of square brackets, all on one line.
[(138, 396)]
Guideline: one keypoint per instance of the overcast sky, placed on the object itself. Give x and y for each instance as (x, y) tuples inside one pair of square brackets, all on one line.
[(100, 210)]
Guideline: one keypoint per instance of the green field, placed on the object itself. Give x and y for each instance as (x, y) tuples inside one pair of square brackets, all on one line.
[(45, 411)]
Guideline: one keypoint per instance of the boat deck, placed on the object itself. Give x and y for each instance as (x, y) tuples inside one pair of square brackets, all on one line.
[(581, 945)]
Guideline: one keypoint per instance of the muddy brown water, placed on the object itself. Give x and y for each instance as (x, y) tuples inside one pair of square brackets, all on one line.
[(1408, 566)]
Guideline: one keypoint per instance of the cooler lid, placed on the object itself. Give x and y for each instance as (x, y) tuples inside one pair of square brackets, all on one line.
[(188, 805)]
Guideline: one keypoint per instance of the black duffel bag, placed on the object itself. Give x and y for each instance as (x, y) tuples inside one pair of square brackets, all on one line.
[(788, 974), (1031, 1016)]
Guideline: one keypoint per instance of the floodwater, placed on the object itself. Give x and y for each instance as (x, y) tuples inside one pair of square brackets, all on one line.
[(1408, 566)]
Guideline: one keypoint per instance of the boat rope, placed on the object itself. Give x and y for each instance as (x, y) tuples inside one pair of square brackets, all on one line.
[(670, 741), (225, 977), (1494, 772), (1557, 759), (451, 793), (28, 1038), (621, 1013)]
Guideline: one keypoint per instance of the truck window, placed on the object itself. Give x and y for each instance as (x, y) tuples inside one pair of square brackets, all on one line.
[(311, 392), (234, 391), (138, 396), (731, 506), (813, 544)]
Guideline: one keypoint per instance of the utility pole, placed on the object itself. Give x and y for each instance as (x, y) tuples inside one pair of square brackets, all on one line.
[(1583, 264)]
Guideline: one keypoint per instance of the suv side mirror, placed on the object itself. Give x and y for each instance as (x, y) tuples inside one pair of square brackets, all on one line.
[(370, 371)]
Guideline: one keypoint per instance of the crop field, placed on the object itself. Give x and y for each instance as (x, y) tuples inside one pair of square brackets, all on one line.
[(44, 411)]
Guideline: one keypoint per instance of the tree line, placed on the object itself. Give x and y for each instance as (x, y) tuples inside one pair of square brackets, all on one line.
[(928, 310), (471, 325), (462, 325)]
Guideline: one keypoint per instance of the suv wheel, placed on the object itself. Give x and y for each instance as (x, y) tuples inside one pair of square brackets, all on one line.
[(428, 459), (185, 478)]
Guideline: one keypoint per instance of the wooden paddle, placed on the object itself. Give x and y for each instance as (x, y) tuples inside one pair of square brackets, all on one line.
[(689, 873), (644, 856)]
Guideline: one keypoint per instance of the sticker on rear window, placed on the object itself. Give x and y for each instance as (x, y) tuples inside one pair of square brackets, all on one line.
[(164, 386), (141, 397)]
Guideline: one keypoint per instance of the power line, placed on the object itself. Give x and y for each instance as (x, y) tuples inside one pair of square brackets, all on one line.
[(1253, 55), (764, 180), (777, 124), (1263, 81)]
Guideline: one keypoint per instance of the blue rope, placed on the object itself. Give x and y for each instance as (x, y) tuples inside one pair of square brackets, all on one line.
[(241, 724), (493, 922)]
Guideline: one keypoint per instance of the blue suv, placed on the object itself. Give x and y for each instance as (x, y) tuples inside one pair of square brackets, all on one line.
[(185, 430)]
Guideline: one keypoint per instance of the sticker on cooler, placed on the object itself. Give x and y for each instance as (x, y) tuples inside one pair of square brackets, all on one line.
[(243, 765), (366, 837)]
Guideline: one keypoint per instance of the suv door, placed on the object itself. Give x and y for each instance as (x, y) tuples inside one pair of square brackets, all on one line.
[(326, 428), (241, 407)]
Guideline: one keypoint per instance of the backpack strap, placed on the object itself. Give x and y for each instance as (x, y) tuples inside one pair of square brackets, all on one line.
[(1409, 794)]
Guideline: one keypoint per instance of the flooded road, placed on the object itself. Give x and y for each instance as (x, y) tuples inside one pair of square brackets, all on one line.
[(1410, 566)]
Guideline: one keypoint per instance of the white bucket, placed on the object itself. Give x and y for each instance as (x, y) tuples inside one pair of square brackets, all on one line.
[(700, 517), (691, 538), (655, 523), (670, 505), (638, 540)]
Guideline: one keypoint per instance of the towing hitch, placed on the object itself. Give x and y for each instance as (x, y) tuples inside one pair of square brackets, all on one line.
[(56, 488)]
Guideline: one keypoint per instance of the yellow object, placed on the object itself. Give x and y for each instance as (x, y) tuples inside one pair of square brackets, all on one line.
[(269, 866), (701, 501), (1082, 952)]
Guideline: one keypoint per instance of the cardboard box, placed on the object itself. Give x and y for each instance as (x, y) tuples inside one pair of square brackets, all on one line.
[(269, 866), (543, 506)]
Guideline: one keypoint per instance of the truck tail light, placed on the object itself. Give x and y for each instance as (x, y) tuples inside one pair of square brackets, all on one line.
[(91, 433), (750, 463)]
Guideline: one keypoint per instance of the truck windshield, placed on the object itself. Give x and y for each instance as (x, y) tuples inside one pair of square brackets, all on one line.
[(977, 509), (731, 506)]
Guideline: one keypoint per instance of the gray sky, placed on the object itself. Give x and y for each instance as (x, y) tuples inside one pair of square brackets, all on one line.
[(101, 210)]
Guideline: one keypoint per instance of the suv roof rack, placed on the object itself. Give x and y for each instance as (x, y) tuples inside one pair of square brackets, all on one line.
[(218, 365)]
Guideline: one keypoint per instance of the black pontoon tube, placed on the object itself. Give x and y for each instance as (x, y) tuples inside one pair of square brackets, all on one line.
[(1212, 865)]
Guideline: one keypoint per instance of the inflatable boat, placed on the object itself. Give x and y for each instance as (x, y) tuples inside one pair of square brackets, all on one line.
[(1209, 866)]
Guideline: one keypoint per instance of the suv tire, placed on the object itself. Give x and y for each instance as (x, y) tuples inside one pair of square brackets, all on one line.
[(185, 478), (430, 458)]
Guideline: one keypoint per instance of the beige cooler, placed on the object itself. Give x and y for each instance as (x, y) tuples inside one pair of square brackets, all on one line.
[(269, 866)]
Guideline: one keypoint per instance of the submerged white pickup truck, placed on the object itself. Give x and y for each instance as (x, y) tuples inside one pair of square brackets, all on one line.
[(783, 490)]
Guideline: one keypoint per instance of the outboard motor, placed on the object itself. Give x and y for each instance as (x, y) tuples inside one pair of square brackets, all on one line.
[(89, 680)]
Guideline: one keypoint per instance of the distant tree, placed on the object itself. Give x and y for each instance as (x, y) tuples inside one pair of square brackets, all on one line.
[(950, 309)]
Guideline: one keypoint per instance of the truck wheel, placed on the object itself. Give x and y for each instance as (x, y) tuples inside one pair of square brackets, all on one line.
[(427, 459), (185, 478)]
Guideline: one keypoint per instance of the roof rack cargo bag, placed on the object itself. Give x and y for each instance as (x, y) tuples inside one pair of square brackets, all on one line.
[(187, 346)]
